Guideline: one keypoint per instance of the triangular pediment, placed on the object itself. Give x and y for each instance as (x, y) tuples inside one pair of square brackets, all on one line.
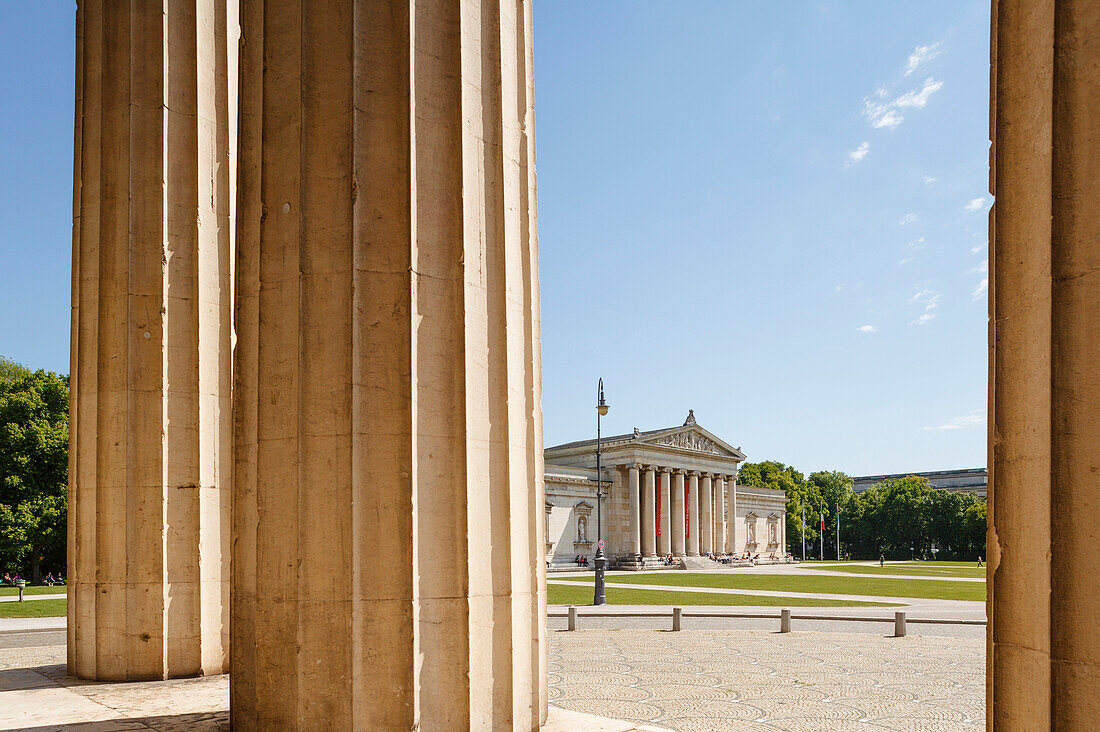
[(692, 438)]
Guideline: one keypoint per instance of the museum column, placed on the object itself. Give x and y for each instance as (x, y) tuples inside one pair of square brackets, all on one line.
[(719, 513), (664, 541), (635, 520), (693, 515), (387, 567), (731, 512), (1044, 285), (706, 523), (677, 508), (149, 490), (649, 515)]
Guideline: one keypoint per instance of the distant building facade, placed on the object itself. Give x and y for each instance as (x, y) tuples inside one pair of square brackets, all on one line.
[(967, 480), (667, 491)]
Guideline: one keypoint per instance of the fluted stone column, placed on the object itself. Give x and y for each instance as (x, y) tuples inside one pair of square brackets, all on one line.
[(388, 436), (720, 513), (635, 521), (649, 515), (677, 508), (693, 515), (149, 490), (664, 541), (1044, 284), (731, 512), (706, 522)]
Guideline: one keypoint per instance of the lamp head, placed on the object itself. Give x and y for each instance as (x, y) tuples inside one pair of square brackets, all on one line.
[(601, 405)]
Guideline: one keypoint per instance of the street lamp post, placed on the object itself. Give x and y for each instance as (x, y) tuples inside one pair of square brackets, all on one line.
[(601, 560)]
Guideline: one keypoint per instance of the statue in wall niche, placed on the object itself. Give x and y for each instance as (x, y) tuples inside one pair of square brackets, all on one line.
[(773, 534), (751, 533), (582, 529)]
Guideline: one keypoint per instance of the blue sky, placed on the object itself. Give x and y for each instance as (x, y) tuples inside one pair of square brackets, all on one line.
[(772, 213)]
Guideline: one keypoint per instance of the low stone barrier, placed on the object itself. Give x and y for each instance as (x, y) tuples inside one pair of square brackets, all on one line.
[(784, 616)]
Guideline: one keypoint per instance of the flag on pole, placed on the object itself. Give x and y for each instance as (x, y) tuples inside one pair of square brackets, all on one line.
[(822, 520)]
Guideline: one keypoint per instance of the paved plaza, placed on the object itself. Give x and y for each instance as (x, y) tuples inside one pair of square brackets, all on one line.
[(693, 681), (702, 681)]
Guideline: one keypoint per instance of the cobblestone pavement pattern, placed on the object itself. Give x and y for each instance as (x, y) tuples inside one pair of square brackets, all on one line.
[(698, 681), (692, 681)]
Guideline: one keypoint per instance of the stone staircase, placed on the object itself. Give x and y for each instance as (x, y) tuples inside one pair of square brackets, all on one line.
[(698, 564), (637, 564)]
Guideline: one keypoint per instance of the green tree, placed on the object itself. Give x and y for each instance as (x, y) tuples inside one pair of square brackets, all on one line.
[(835, 489), (800, 492), (34, 437)]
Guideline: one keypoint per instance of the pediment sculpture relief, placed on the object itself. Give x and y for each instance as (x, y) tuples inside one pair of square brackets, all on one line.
[(689, 441)]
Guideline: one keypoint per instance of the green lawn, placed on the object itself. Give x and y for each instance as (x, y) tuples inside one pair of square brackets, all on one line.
[(36, 590), (582, 595), (33, 609), (908, 569), (881, 586), (922, 563)]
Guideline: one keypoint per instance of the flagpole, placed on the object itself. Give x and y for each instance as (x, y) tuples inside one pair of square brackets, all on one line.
[(838, 531), (821, 532)]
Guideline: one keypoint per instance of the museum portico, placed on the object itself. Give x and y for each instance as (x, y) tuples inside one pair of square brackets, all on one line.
[(667, 491)]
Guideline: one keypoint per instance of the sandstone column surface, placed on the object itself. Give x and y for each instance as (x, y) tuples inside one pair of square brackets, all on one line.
[(635, 526), (664, 541), (719, 538), (149, 478), (1044, 478), (388, 494), (649, 507), (731, 511)]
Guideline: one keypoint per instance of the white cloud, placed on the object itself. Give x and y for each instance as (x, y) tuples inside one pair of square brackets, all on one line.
[(982, 268), (976, 204), (919, 241), (905, 260), (918, 99), (975, 418), (930, 300), (924, 319), (975, 250), (860, 152), (929, 180), (921, 54), (881, 115), (907, 219), (868, 328), (980, 290), (886, 114)]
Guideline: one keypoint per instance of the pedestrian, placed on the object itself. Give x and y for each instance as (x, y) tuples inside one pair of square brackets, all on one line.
[(882, 560), (980, 562)]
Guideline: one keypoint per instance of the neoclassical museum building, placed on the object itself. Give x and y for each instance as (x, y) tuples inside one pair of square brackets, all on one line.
[(667, 491)]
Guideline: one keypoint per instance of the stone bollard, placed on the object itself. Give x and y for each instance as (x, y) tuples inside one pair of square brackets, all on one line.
[(899, 624), (572, 617), (21, 584), (785, 621), (676, 613)]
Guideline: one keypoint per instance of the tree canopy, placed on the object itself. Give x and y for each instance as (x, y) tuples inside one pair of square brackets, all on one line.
[(899, 517), (34, 437)]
